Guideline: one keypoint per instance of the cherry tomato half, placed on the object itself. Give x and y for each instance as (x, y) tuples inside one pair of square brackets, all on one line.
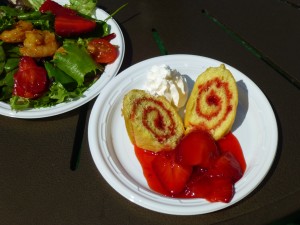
[(102, 51)]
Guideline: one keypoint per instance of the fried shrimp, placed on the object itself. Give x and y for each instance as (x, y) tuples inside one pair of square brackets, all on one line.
[(39, 44), (17, 34)]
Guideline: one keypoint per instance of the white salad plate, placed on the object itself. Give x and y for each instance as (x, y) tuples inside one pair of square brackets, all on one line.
[(255, 127), (110, 71)]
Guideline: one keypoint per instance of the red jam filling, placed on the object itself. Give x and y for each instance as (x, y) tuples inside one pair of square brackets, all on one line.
[(168, 130), (214, 101)]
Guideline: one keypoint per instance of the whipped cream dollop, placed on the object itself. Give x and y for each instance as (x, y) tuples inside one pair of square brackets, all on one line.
[(162, 80)]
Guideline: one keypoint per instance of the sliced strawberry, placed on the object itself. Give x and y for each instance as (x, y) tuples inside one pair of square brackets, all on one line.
[(227, 167), (230, 143), (198, 187), (70, 25), (197, 148), (56, 9), (30, 81), (26, 62), (222, 190), (109, 37), (211, 189), (172, 175)]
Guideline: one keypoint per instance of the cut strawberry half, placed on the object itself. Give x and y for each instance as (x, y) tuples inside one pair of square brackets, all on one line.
[(70, 25), (56, 9), (211, 189), (222, 190), (26, 63), (172, 175), (227, 166), (30, 81), (197, 148)]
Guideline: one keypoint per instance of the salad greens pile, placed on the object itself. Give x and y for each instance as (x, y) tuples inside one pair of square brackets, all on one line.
[(70, 72), (86, 7)]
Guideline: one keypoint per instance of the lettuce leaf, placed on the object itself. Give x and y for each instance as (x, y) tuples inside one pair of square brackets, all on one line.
[(58, 75), (2, 59), (86, 7), (57, 94), (36, 4), (76, 62), (19, 103), (6, 17), (71, 73)]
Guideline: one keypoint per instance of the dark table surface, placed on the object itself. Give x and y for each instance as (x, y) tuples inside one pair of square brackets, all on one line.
[(259, 38)]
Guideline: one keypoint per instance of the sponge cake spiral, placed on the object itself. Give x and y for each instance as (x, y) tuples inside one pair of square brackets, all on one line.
[(213, 102), (151, 121)]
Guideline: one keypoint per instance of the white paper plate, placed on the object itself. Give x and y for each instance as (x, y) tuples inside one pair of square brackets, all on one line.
[(255, 127), (109, 72)]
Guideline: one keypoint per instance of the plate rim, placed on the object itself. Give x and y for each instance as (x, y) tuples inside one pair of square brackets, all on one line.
[(131, 194)]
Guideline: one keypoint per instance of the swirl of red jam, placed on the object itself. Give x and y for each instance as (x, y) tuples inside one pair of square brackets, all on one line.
[(215, 96), (162, 126)]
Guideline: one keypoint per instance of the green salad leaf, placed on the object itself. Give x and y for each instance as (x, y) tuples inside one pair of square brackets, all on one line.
[(56, 94), (58, 75), (7, 15), (11, 64), (59, 93), (36, 4), (7, 70), (39, 20), (2, 59), (9, 11), (86, 7), (76, 62), (19, 103)]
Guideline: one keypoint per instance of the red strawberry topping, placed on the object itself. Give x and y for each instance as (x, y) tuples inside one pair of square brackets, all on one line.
[(172, 175), (197, 148), (197, 168)]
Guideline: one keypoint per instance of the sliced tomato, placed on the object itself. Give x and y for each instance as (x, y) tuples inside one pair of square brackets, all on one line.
[(102, 51), (30, 81)]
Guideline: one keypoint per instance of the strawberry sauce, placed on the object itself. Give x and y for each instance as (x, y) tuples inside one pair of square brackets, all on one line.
[(215, 183), (146, 158), (231, 144)]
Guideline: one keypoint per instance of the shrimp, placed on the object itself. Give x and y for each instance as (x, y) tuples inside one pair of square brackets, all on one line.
[(39, 44), (17, 34)]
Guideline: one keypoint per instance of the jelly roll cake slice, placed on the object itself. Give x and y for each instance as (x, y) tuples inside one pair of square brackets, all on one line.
[(213, 102), (151, 121)]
